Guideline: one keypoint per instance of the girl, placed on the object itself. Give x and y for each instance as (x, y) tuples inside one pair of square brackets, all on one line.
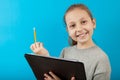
[(80, 26)]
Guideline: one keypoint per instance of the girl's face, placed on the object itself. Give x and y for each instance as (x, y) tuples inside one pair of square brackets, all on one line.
[(79, 25)]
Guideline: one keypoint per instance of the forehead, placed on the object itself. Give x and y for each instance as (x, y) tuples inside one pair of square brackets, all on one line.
[(76, 14)]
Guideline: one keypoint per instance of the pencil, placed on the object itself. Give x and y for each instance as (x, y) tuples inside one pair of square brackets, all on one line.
[(34, 30)]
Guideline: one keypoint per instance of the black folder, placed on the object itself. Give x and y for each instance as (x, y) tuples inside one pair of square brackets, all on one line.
[(63, 68)]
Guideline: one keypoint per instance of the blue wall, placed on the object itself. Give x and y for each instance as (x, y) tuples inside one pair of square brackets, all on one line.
[(18, 17)]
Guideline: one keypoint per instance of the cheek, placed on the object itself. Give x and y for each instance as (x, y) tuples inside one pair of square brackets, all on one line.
[(71, 33), (91, 31), (89, 28)]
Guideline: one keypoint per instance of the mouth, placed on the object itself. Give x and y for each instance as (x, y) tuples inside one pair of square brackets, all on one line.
[(82, 34)]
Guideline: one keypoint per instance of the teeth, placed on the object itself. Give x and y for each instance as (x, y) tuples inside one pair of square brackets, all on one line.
[(81, 34)]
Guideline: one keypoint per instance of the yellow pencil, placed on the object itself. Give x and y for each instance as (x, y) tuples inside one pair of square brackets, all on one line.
[(34, 30)]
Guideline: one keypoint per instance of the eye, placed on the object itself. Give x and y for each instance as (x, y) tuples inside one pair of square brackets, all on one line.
[(72, 25), (84, 22)]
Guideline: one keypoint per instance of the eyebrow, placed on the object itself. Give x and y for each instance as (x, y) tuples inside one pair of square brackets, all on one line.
[(82, 18), (71, 22)]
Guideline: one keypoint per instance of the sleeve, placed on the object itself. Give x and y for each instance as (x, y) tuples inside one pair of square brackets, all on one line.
[(62, 53), (103, 69)]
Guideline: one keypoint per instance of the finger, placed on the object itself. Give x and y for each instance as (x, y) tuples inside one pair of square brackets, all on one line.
[(31, 47), (47, 77), (73, 78), (41, 44), (37, 44), (53, 75)]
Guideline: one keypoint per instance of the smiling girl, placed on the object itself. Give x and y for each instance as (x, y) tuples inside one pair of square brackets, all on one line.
[(80, 26)]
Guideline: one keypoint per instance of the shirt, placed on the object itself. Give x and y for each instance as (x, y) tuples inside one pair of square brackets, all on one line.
[(96, 62)]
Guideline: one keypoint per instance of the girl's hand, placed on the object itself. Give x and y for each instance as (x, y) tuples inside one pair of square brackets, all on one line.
[(53, 77), (73, 78), (39, 49)]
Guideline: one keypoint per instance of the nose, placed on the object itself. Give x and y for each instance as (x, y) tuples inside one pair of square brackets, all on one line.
[(78, 28)]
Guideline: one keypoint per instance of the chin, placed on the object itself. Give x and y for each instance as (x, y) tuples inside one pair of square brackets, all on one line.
[(82, 41)]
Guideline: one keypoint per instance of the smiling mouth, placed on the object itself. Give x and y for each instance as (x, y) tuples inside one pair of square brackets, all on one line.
[(82, 35)]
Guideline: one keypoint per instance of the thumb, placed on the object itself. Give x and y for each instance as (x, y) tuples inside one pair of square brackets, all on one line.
[(41, 44), (73, 78)]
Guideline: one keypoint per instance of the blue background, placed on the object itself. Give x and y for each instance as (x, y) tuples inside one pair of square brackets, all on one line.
[(18, 17)]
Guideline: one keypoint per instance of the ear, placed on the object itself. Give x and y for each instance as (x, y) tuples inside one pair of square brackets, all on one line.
[(94, 23)]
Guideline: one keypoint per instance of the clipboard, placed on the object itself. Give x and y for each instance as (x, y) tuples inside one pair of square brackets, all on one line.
[(63, 68)]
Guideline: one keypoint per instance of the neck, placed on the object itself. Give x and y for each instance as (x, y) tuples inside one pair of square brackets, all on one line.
[(85, 45)]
